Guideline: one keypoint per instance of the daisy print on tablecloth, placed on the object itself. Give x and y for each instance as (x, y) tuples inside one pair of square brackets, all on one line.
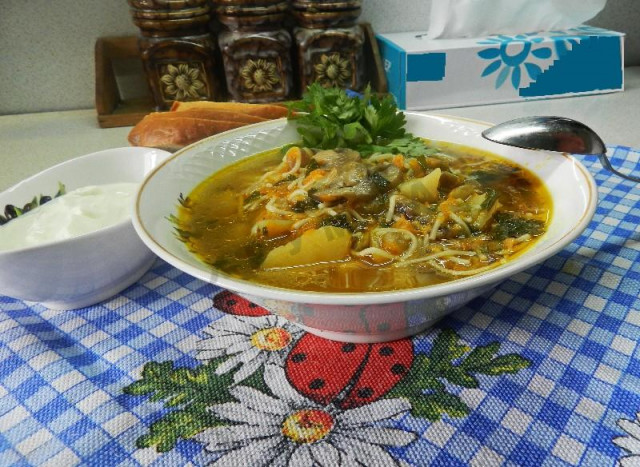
[(288, 429), (280, 396), (631, 442), (250, 343)]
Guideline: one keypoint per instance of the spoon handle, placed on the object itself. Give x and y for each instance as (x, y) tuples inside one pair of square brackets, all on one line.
[(604, 160)]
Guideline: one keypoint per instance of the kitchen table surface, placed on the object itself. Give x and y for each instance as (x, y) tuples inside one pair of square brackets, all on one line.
[(543, 370)]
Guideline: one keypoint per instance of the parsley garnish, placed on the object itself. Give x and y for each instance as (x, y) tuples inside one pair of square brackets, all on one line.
[(328, 118)]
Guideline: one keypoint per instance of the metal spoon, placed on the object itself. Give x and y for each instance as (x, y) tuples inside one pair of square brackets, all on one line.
[(553, 134)]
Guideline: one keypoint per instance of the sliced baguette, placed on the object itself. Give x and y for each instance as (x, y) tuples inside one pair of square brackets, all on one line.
[(268, 111), (168, 131), (224, 115)]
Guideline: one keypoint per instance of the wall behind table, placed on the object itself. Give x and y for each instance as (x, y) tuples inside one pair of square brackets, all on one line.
[(47, 47)]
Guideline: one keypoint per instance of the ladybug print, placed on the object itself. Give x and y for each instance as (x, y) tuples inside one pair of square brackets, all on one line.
[(320, 369), (349, 375), (386, 365), (234, 304)]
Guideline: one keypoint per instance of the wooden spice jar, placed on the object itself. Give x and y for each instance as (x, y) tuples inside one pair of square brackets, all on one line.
[(329, 43), (256, 50), (177, 50)]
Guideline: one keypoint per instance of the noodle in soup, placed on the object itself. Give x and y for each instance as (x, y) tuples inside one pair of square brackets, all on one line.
[(333, 221)]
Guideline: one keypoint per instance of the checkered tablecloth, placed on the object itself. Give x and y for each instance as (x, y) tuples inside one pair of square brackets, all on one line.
[(544, 371)]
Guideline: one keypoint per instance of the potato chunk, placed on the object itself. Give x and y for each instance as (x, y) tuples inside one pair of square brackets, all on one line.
[(314, 246), (424, 189)]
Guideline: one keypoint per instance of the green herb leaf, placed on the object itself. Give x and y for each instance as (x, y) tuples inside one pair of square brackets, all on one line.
[(328, 118), (305, 204), (11, 211), (180, 424), (340, 220), (381, 183), (510, 363), (439, 403), (185, 202), (189, 392), (449, 361), (492, 197), (252, 197), (508, 225)]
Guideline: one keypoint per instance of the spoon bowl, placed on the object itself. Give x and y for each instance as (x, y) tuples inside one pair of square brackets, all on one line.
[(558, 134)]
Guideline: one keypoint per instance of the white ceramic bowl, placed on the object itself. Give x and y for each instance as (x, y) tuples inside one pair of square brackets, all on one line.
[(361, 317), (80, 271)]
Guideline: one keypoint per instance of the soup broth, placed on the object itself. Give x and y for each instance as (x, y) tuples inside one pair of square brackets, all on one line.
[(333, 221)]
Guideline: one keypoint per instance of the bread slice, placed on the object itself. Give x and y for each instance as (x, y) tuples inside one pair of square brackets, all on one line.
[(268, 111), (224, 115), (188, 122), (168, 131)]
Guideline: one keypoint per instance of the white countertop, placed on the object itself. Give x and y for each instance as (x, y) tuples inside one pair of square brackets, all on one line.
[(32, 142)]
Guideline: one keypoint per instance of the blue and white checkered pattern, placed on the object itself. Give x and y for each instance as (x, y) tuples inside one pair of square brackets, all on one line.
[(576, 317)]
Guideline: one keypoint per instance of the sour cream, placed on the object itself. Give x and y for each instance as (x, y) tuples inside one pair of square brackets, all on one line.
[(76, 213)]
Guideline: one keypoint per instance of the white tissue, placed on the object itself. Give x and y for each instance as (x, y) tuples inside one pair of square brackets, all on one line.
[(477, 18)]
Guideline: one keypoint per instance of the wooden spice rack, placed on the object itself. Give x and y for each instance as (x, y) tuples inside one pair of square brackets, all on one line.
[(115, 111)]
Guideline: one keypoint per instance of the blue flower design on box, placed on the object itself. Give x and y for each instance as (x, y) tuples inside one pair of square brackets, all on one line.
[(520, 59), (511, 57)]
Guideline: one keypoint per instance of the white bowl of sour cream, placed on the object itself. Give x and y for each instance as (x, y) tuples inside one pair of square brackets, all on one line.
[(79, 248)]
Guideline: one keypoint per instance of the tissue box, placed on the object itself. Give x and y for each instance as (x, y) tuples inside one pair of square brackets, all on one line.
[(439, 73)]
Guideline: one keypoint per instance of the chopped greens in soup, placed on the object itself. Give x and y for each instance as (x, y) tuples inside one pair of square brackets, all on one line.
[(334, 221)]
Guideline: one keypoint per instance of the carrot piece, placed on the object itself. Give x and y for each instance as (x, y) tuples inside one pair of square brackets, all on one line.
[(509, 243), (398, 161), (445, 208), (416, 167), (293, 154), (402, 223), (314, 175), (391, 244)]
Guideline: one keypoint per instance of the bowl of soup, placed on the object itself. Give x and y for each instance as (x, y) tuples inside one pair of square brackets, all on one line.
[(361, 248), (66, 238)]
